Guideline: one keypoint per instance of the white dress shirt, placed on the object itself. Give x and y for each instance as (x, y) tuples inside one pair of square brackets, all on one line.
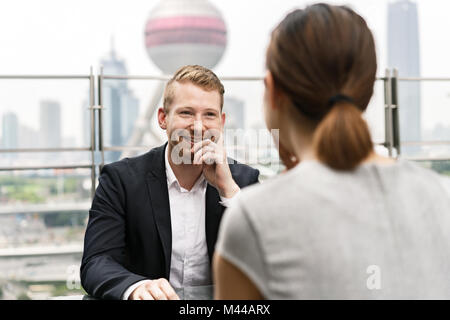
[(189, 261)]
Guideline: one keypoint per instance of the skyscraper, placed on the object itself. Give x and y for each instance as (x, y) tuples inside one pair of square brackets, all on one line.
[(235, 113), (121, 108), (234, 127), (50, 124), (130, 113), (10, 132), (28, 137), (404, 54)]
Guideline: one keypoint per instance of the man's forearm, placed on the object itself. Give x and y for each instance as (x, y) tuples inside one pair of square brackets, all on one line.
[(228, 189), (104, 278)]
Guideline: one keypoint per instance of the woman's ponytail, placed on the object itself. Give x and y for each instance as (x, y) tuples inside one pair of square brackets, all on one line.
[(316, 53), (342, 139)]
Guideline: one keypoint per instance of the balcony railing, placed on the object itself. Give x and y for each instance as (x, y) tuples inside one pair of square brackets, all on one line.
[(98, 145), (392, 140)]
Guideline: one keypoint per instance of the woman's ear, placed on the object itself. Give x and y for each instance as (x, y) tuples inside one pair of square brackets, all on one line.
[(274, 95)]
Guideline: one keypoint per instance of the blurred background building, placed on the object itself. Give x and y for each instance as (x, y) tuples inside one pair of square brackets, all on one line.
[(123, 106), (404, 54), (10, 131), (50, 124)]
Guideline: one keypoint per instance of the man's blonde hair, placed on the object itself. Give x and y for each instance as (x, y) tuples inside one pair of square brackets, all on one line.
[(198, 75)]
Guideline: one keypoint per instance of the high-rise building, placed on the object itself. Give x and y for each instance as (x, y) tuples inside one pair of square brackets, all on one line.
[(404, 54), (235, 141), (50, 124), (10, 131), (121, 108), (28, 137), (130, 113), (235, 113)]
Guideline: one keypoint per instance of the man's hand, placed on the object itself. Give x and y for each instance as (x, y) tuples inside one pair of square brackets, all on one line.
[(159, 289), (215, 166)]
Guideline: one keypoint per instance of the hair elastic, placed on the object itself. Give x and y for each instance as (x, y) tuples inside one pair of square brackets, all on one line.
[(339, 97)]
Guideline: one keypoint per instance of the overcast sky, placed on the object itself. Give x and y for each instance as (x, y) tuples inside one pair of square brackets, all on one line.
[(53, 36), (67, 37)]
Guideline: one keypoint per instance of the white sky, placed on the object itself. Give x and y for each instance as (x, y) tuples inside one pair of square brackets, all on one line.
[(67, 37)]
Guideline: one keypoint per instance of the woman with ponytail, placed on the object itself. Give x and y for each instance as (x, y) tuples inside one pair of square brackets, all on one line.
[(343, 223)]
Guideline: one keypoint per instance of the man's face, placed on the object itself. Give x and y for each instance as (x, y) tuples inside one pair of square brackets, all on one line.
[(193, 115)]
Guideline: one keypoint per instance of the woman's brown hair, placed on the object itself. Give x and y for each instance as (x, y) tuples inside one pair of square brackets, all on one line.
[(323, 59)]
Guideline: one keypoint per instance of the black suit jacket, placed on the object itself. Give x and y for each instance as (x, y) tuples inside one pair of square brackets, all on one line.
[(128, 236)]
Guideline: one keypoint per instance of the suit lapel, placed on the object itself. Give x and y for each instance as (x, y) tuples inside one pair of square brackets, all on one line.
[(159, 199), (213, 213)]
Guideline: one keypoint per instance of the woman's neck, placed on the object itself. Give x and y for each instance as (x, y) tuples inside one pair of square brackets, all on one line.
[(301, 146)]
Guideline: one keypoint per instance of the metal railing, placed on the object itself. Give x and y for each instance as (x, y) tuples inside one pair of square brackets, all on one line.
[(398, 79), (91, 148), (392, 140)]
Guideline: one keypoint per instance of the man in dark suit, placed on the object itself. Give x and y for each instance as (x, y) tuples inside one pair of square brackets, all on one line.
[(154, 219)]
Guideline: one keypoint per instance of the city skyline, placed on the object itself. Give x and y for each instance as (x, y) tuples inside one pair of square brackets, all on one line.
[(48, 135), (72, 122)]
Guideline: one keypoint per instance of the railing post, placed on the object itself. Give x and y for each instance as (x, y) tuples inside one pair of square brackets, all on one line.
[(395, 112), (388, 130), (100, 118), (92, 117)]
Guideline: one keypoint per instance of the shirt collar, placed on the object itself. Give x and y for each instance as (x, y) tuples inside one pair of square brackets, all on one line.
[(171, 178)]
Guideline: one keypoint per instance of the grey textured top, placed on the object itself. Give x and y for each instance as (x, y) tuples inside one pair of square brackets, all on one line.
[(380, 232)]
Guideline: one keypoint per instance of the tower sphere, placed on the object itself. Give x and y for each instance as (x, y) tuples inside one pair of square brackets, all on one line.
[(182, 32)]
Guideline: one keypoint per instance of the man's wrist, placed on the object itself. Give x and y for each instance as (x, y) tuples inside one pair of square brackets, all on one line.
[(126, 295), (229, 189)]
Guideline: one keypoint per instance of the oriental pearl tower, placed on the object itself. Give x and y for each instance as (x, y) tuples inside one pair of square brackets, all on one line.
[(178, 33)]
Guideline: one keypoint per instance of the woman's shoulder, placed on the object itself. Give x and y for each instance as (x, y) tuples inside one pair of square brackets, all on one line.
[(407, 171), (426, 176), (273, 193), (311, 180)]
